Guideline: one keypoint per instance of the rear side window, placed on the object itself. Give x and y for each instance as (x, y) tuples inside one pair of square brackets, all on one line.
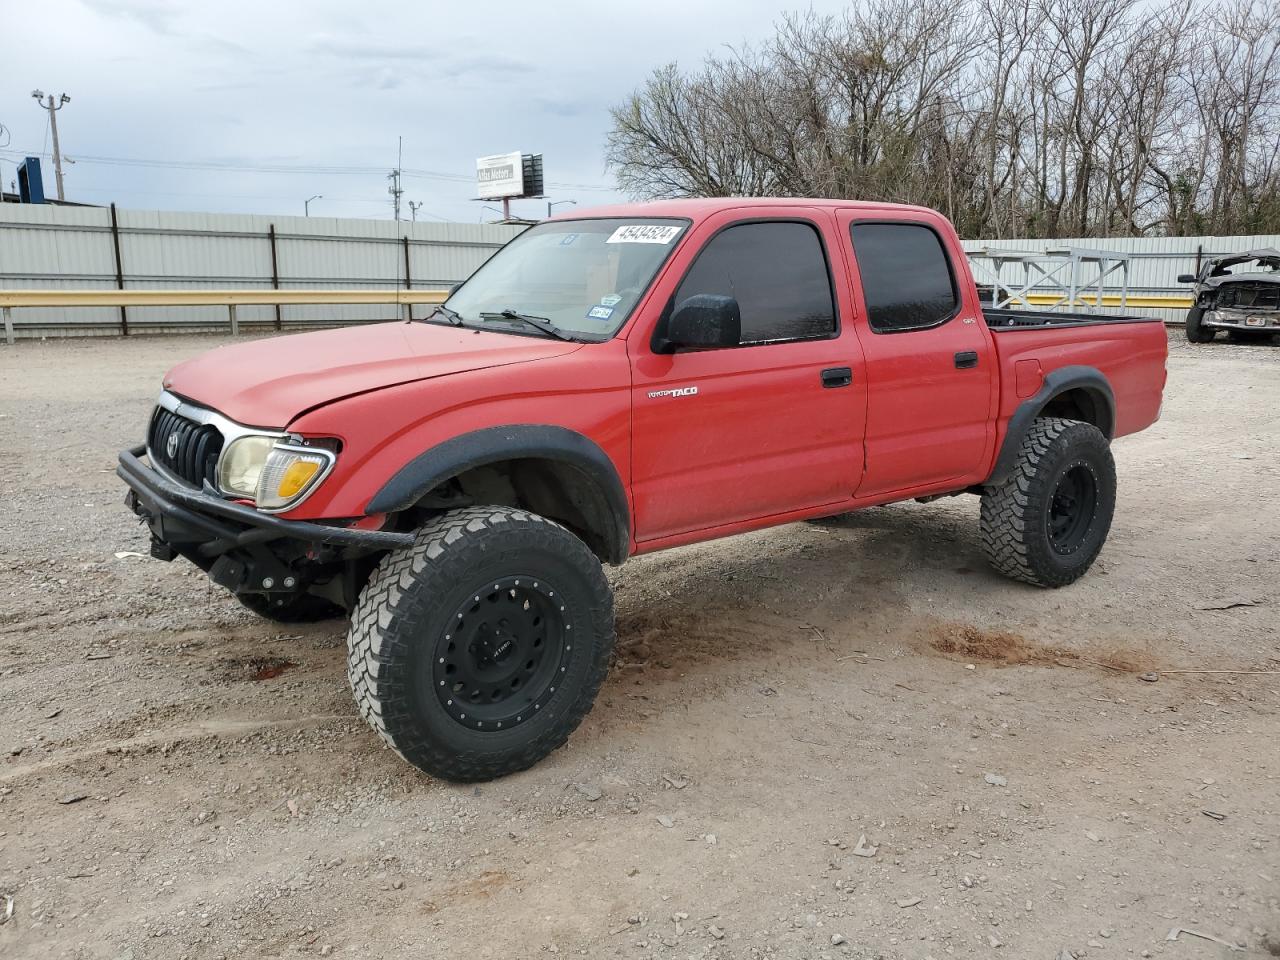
[(906, 277), (778, 274)]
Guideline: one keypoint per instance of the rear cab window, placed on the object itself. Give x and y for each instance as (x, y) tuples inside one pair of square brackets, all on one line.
[(907, 279)]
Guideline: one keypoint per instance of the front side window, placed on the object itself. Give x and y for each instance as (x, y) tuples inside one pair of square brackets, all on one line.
[(584, 276), (777, 271), (906, 277)]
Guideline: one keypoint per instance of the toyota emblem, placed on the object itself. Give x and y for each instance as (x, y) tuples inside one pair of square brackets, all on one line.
[(171, 446)]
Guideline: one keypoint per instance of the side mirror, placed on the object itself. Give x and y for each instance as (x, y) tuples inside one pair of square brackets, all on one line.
[(1186, 278), (703, 321)]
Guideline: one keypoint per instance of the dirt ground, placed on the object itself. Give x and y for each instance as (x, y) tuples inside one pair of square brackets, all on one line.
[(838, 740)]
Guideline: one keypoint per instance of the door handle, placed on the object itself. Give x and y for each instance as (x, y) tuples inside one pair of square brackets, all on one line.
[(966, 359), (837, 377)]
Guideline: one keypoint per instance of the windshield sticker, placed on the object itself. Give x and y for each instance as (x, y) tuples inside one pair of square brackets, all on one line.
[(612, 300), (600, 313), (567, 239), (643, 233)]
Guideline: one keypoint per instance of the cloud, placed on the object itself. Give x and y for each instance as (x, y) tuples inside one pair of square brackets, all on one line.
[(562, 108), (346, 48), (485, 63), (333, 84), (157, 15), (388, 79), (381, 52)]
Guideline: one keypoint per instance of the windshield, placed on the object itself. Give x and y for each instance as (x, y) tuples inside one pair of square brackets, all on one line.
[(584, 276)]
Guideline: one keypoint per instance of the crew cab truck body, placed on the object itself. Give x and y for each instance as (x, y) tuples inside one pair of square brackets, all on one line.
[(609, 385)]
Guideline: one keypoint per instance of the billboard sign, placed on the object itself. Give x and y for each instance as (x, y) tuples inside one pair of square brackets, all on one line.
[(501, 175)]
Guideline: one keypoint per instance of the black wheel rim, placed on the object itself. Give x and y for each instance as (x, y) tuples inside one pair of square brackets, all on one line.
[(503, 654), (1071, 508)]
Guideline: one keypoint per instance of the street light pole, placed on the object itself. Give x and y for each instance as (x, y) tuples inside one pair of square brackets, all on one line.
[(556, 204), (53, 107), (306, 204)]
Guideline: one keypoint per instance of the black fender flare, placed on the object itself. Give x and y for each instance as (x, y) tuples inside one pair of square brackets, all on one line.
[(1056, 383), (459, 454)]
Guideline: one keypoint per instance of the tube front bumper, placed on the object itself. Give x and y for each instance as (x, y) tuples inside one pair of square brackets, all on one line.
[(176, 512)]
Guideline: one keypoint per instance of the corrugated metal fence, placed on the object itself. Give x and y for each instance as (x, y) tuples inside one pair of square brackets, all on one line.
[(1155, 262), (77, 248)]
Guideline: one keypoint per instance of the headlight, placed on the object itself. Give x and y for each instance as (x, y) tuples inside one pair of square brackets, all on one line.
[(274, 473), (242, 464)]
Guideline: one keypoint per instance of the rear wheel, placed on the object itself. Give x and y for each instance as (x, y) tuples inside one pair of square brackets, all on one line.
[(1047, 522), (1196, 331), (479, 650)]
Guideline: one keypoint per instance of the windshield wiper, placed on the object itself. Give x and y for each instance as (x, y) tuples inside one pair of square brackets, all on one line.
[(538, 323), (452, 316)]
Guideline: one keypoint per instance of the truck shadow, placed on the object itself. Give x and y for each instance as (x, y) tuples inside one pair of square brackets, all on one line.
[(838, 582)]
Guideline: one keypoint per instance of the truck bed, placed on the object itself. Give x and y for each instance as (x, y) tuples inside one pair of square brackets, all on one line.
[(1128, 351), (1005, 319)]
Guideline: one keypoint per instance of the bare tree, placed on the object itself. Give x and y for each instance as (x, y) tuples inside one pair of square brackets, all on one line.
[(1015, 117)]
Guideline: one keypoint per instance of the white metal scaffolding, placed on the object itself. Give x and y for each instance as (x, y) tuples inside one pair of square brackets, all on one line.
[(1075, 276)]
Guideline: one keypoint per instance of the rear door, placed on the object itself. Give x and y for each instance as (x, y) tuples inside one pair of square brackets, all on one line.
[(930, 364), (771, 426)]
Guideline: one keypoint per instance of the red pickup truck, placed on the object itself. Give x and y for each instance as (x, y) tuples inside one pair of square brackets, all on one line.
[(612, 384)]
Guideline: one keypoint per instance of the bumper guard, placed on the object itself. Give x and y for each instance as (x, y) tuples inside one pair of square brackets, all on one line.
[(156, 496)]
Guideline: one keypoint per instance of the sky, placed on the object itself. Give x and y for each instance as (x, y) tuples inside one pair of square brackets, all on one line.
[(254, 107)]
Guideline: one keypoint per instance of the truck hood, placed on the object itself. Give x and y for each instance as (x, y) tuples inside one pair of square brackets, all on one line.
[(1266, 257), (1214, 282), (268, 383)]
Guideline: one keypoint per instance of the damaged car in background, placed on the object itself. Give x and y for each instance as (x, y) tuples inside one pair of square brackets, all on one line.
[(1239, 293)]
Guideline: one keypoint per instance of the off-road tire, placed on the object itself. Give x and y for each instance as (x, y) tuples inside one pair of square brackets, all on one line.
[(1197, 332), (298, 608), (1017, 514), (402, 621)]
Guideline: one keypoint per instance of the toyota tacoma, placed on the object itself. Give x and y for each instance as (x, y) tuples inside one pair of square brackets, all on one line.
[(608, 385)]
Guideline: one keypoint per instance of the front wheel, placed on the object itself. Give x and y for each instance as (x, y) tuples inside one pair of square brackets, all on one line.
[(479, 650), (1046, 523), (1197, 332)]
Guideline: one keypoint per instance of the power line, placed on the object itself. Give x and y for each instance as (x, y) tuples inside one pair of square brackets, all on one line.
[(111, 191), (235, 166)]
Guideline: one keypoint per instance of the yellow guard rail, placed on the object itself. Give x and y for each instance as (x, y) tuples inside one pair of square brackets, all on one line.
[(203, 298)]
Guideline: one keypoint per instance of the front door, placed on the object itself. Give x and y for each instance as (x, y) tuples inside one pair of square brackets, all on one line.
[(771, 426)]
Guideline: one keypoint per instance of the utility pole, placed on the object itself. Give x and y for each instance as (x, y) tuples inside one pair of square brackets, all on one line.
[(413, 209), (4, 142), (53, 107), (394, 176)]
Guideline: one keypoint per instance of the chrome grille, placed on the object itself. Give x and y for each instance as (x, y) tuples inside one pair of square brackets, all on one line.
[(186, 449)]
